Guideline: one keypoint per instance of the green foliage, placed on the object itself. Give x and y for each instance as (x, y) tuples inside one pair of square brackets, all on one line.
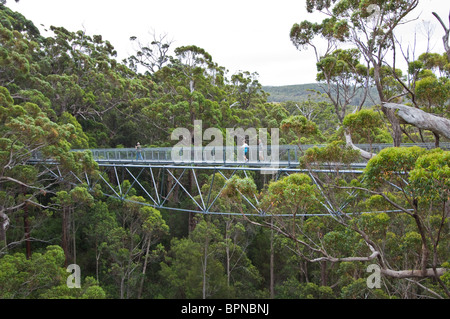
[(301, 128), (334, 152), (193, 261), (358, 290), (341, 63), (365, 124), (391, 163), (364, 120), (193, 267), (303, 92), (67, 91), (295, 192), (433, 93), (41, 276), (78, 139), (430, 177), (292, 289), (236, 186)]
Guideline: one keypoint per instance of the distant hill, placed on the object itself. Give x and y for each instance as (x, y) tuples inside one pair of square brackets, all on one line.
[(300, 92)]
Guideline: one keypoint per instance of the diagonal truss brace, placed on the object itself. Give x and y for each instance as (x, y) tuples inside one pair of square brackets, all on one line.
[(204, 204)]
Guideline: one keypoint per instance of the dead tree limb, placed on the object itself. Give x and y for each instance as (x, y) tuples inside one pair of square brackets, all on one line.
[(446, 36), (420, 119)]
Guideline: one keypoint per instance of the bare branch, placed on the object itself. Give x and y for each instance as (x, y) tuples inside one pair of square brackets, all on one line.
[(421, 119), (401, 274), (446, 36), (364, 154)]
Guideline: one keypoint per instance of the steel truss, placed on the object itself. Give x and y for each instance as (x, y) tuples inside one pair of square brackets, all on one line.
[(150, 180), (159, 197), (152, 185), (149, 176)]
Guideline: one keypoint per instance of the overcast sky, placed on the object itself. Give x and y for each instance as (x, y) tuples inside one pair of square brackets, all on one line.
[(247, 35)]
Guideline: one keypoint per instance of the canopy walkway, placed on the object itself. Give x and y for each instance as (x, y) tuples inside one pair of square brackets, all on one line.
[(162, 177), (288, 155)]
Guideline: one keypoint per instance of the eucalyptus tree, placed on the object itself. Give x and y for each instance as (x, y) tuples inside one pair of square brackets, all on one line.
[(369, 26), (247, 90), (189, 89), (365, 122), (27, 132), (21, 43), (71, 203), (344, 77), (430, 75), (193, 268), (406, 238), (152, 56), (134, 243), (42, 277), (413, 225), (300, 129)]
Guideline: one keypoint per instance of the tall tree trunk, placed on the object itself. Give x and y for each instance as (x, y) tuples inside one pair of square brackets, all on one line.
[(174, 194), (272, 278), (144, 268), (97, 259), (122, 287), (26, 226), (74, 243), (192, 222), (4, 222), (323, 273), (396, 131), (194, 142), (227, 250), (436, 140), (64, 235), (205, 264), (306, 272)]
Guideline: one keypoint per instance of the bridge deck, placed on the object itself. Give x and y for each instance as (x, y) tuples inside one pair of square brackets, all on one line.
[(122, 163), (285, 156)]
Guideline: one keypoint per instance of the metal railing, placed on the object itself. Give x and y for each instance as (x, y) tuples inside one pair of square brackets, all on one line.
[(286, 155), (199, 155)]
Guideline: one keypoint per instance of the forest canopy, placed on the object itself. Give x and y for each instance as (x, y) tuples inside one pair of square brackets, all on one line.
[(69, 92)]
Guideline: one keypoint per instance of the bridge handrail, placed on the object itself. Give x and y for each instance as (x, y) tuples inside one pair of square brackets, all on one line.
[(289, 153), (164, 154), (286, 153)]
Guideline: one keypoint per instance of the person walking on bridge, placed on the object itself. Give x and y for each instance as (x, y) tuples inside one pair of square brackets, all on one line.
[(261, 150), (246, 148), (138, 151)]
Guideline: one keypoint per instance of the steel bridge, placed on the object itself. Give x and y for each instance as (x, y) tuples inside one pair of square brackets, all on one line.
[(163, 179)]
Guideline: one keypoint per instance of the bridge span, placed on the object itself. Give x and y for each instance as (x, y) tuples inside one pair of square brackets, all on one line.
[(288, 155), (163, 180)]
